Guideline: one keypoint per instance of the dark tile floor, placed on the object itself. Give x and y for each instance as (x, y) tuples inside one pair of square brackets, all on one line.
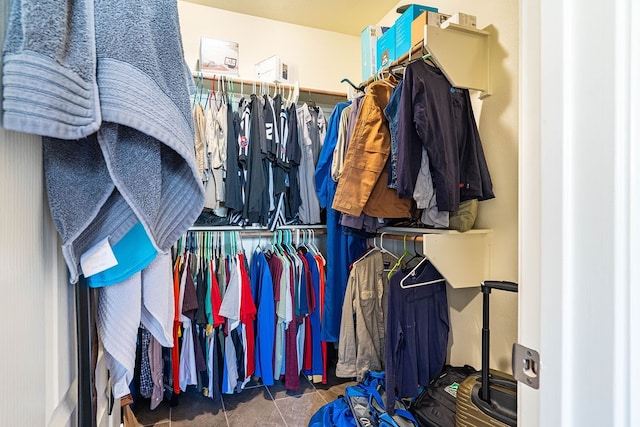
[(257, 405)]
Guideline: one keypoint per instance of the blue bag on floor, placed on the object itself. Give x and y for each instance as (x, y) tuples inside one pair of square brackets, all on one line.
[(334, 414), (367, 404), (363, 406)]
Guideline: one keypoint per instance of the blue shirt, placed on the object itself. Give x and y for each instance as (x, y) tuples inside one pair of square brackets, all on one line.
[(262, 289)]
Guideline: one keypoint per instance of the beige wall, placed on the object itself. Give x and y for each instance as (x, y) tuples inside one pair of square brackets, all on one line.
[(323, 58), (497, 117)]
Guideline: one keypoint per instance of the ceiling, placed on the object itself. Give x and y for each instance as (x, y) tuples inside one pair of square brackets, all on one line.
[(342, 16)]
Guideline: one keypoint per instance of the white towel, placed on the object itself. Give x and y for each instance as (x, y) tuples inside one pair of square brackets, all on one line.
[(157, 299), (118, 321)]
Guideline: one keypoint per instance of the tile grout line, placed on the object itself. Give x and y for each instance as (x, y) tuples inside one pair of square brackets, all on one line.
[(224, 409), (276, 405), (318, 391), (314, 387)]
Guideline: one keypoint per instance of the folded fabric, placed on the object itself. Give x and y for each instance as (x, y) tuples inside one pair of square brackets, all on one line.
[(145, 297), (117, 322), (49, 69), (106, 83), (157, 299)]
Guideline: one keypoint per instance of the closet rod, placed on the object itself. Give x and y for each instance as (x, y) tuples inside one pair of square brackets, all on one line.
[(410, 238), (258, 83), (400, 61), (256, 229)]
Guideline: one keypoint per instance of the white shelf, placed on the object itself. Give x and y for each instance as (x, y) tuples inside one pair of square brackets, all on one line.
[(462, 53), (464, 259)]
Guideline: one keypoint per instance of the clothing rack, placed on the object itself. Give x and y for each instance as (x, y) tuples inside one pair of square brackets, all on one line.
[(260, 231), (320, 96), (448, 250), (398, 62), (256, 229)]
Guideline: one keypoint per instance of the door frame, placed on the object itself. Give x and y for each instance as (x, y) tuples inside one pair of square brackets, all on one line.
[(579, 209)]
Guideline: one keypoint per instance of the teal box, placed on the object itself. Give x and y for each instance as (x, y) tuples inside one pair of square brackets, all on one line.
[(403, 27), (386, 49), (369, 40)]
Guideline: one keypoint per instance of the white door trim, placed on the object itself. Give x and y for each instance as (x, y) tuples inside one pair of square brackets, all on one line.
[(580, 209)]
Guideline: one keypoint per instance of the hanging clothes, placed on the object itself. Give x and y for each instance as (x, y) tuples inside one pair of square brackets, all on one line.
[(363, 184), (417, 328), (247, 316), (391, 112), (294, 155), (234, 181), (311, 134), (342, 249), (362, 330), (262, 290), (317, 370), (256, 181), (439, 117)]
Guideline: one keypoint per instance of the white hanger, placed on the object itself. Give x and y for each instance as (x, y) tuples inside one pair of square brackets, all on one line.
[(412, 274), (383, 249)]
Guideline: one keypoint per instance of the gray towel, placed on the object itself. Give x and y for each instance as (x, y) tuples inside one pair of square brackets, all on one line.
[(138, 164), (49, 69)]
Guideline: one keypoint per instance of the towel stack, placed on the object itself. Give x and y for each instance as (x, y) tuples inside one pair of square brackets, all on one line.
[(105, 83)]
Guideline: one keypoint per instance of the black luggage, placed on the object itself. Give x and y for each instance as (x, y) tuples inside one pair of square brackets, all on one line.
[(488, 398), (435, 406)]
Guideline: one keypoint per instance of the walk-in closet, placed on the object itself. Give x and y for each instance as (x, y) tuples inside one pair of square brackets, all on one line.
[(274, 213)]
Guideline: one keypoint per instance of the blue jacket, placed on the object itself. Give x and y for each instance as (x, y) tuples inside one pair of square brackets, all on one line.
[(342, 250), (262, 290)]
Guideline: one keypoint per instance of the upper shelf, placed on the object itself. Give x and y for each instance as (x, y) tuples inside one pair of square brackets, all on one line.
[(462, 53), (463, 259)]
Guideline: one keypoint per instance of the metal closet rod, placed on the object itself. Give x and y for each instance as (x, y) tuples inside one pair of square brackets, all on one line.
[(249, 83), (256, 229)]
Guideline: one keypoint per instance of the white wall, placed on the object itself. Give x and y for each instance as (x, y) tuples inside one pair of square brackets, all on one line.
[(497, 117), (323, 58), (37, 350)]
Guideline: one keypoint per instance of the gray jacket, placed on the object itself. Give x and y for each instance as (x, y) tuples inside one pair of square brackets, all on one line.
[(361, 345)]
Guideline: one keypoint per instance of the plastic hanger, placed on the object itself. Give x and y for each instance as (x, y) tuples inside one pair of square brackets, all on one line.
[(416, 255), (383, 249), (315, 247), (412, 273), (398, 264), (357, 88)]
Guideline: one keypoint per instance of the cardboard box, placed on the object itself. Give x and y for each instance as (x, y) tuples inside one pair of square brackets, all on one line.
[(218, 57), (369, 40), (403, 27), (274, 69), (386, 49), (425, 18), (463, 19)]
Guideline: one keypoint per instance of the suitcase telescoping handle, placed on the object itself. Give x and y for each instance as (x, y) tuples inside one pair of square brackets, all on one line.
[(486, 288)]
